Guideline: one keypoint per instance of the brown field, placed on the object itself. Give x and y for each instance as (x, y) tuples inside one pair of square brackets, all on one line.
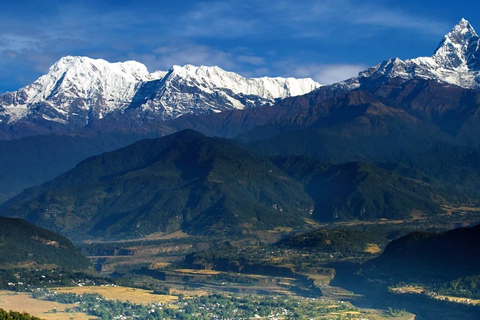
[(371, 314), (133, 295), (29, 265), (161, 265), (372, 248), (373, 222), (320, 279), (312, 222), (200, 272), (153, 236), (458, 299), (409, 289), (451, 209), (214, 272), (23, 302), (166, 236)]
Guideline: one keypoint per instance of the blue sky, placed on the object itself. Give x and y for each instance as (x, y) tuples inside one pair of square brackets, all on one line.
[(327, 40)]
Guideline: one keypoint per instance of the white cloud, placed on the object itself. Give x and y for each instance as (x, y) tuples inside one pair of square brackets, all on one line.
[(328, 73), (17, 42)]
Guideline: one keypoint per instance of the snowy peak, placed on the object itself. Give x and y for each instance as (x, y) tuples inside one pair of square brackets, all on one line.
[(456, 61), (76, 86), (198, 90), (85, 78), (132, 70), (78, 90), (215, 78), (460, 47)]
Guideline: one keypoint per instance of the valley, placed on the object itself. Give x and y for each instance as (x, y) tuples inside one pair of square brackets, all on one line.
[(193, 265)]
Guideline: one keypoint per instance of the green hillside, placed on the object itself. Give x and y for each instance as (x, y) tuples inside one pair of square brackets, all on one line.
[(361, 191), (25, 245), (184, 181), (361, 127), (336, 241), (202, 185)]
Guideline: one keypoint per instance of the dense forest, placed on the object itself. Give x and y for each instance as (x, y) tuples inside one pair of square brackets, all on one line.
[(22, 243)]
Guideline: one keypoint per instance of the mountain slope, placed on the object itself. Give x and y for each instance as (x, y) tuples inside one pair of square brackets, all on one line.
[(361, 126), (186, 181), (183, 181), (359, 191), (22, 243)]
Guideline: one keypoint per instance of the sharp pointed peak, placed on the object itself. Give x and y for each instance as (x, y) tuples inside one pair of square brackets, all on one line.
[(459, 47), (461, 32), (464, 23)]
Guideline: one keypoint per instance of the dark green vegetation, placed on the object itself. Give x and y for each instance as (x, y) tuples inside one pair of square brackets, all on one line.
[(202, 185), (184, 181), (373, 153), (361, 191), (23, 244), (419, 128), (347, 242), (374, 130), (13, 315), (468, 287)]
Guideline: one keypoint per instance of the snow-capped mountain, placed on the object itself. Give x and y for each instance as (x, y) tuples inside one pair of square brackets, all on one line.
[(78, 90), (456, 61), (203, 90)]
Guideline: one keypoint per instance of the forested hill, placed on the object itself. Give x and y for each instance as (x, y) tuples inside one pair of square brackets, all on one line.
[(24, 245)]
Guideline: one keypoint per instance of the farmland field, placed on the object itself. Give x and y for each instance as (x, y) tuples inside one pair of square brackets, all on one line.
[(133, 295), (23, 302)]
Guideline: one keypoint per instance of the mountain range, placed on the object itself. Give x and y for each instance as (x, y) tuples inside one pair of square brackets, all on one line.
[(454, 62), (201, 185), (402, 138), (77, 92)]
